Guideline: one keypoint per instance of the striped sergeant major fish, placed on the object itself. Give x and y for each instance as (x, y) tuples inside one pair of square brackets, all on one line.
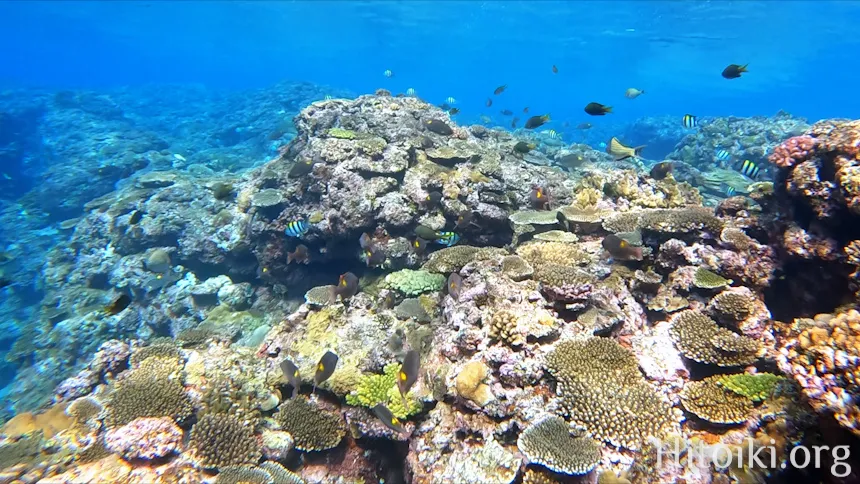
[(749, 169), (690, 121), (723, 155), (447, 238), (728, 190), (297, 228)]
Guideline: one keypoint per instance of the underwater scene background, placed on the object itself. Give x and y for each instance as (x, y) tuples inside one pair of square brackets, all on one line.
[(428, 242)]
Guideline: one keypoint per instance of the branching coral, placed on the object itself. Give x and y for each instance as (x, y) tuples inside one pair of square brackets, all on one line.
[(557, 253), (710, 401), (603, 391), (312, 428), (666, 221), (550, 444), (168, 351), (733, 305), (700, 339), (148, 391), (373, 389), (503, 327), (222, 440), (280, 474)]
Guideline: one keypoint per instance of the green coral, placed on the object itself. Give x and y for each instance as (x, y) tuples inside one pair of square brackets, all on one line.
[(413, 283), (341, 133), (374, 388), (705, 279), (756, 387)]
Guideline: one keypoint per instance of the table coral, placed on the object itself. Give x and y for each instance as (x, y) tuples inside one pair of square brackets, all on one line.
[(550, 444), (700, 339), (710, 401)]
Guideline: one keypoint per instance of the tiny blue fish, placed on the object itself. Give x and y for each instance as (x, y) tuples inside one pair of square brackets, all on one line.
[(448, 238), (723, 155), (297, 228)]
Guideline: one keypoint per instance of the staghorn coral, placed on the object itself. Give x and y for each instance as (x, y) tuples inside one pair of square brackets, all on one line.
[(312, 428), (550, 444), (710, 401), (516, 268), (503, 327), (756, 387), (373, 389), (147, 391), (412, 283), (145, 438), (705, 279), (452, 259), (596, 379), (222, 440), (823, 357), (733, 306), (700, 339)]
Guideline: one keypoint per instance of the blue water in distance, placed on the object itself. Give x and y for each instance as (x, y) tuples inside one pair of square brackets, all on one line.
[(801, 54)]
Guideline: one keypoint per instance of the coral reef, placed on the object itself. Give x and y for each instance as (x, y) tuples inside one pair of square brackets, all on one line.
[(223, 440), (710, 401), (699, 338), (550, 444), (144, 438), (312, 427)]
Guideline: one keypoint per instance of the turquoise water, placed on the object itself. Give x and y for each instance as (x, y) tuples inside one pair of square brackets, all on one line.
[(800, 53)]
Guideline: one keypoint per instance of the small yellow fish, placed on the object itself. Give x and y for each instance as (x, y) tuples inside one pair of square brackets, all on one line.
[(621, 152)]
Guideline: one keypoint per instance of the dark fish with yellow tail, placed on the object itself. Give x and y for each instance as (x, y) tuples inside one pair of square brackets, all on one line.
[(438, 127), (733, 71), (300, 255), (455, 283), (432, 199), (464, 220), (301, 168), (389, 420), (620, 249), (500, 89), (419, 246), (291, 373), (537, 121), (346, 287), (539, 198), (118, 305), (408, 374), (661, 170), (597, 109), (374, 256), (523, 147), (749, 168), (325, 369), (689, 121), (621, 152)]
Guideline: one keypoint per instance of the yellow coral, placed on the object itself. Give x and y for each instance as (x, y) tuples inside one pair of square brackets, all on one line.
[(470, 383)]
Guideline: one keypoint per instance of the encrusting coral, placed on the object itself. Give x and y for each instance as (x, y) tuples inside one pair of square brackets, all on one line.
[(221, 440), (550, 444)]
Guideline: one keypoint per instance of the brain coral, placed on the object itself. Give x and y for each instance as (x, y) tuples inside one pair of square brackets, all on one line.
[(603, 391), (147, 392), (221, 440), (312, 428), (412, 283), (710, 401), (550, 444), (699, 338)]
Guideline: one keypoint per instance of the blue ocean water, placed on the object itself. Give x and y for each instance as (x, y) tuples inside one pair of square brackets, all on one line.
[(195, 70)]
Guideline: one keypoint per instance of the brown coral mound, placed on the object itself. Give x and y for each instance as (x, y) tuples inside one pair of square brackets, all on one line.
[(603, 391), (699, 338), (222, 440), (823, 356)]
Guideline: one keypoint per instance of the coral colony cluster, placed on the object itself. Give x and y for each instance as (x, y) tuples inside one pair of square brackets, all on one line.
[(564, 319)]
